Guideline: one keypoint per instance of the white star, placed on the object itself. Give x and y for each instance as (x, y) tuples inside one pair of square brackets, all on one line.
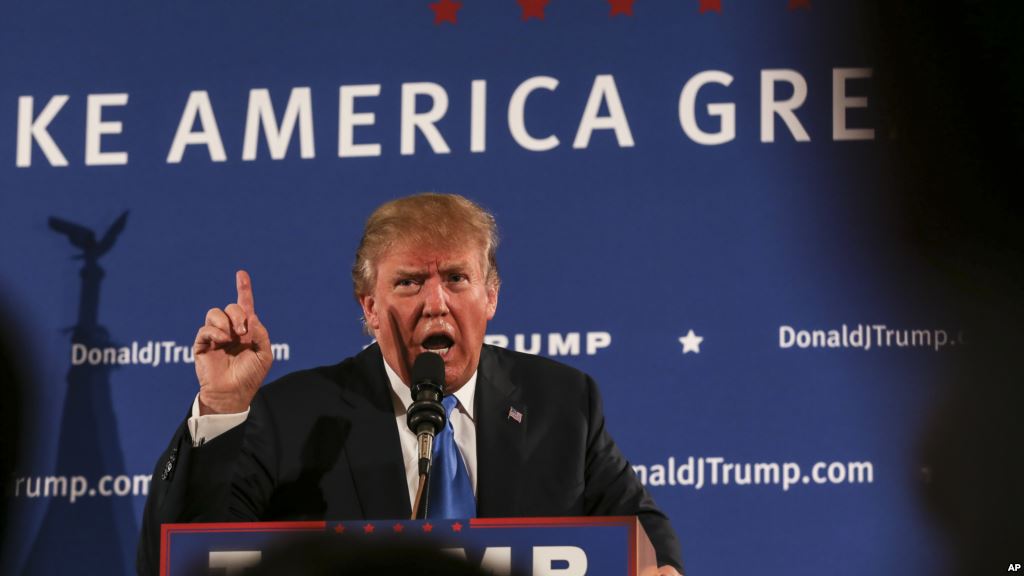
[(691, 342)]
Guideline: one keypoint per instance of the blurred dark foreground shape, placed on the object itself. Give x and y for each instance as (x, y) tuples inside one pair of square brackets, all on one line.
[(952, 83)]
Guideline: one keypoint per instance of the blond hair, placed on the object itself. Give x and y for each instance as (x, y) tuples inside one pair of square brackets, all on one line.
[(427, 219)]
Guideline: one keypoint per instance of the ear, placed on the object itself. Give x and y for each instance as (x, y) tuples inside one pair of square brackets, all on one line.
[(492, 300), (369, 304)]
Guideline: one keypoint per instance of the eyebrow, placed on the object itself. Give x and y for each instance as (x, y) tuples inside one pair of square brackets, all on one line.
[(406, 271), (457, 266), (409, 272), (419, 272)]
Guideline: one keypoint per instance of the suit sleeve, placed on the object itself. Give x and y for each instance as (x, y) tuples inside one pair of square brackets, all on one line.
[(189, 484), (612, 489)]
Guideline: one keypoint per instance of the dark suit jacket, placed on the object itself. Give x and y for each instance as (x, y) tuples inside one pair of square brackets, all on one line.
[(322, 444)]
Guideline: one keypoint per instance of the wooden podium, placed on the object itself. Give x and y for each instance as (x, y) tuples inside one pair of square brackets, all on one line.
[(596, 546)]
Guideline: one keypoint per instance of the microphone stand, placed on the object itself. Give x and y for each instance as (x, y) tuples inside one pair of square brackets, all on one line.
[(420, 489), (426, 447)]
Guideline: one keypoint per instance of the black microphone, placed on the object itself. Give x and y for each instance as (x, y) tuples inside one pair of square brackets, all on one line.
[(426, 415)]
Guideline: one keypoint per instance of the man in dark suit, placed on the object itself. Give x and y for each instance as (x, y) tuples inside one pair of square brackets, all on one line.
[(331, 442)]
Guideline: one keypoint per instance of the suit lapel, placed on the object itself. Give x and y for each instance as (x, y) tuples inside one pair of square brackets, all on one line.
[(373, 449), (501, 427)]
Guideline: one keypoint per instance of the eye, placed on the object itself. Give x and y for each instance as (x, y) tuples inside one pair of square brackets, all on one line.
[(458, 277), (405, 283)]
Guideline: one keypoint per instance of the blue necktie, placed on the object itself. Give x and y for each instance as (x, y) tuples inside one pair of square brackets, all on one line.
[(451, 494)]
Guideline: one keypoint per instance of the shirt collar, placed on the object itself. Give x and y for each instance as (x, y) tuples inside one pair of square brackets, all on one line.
[(465, 395)]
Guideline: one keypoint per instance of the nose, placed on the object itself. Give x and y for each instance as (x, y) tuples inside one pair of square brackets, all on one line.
[(435, 299)]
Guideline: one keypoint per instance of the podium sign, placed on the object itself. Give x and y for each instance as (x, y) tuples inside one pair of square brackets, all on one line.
[(597, 546)]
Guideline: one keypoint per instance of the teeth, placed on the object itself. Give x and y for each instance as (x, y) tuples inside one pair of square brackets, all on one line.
[(439, 351)]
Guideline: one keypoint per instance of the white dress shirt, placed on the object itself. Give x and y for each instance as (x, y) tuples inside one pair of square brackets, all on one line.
[(207, 427)]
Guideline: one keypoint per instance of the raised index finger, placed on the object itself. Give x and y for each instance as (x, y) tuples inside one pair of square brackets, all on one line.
[(244, 286)]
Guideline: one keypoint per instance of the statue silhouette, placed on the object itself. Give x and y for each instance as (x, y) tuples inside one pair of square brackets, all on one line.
[(94, 534)]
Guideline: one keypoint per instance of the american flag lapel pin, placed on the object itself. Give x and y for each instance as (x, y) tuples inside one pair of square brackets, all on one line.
[(515, 415)]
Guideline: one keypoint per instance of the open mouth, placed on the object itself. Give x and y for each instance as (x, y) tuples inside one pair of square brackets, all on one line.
[(438, 344)]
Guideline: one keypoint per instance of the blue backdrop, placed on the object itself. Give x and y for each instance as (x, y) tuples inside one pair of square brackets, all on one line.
[(703, 170)]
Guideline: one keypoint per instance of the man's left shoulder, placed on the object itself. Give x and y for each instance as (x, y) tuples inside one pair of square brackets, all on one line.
[(531, 370)]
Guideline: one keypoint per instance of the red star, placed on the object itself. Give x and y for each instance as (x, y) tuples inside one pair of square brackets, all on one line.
[(457, 527), (532, 8), (621, 7), (710, 6), (797, 4), (339, 529), (368, 529), (445, 10), (398, 527), (427, 527)]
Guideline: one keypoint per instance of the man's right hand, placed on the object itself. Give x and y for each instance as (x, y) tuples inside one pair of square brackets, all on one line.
[(232, 352)]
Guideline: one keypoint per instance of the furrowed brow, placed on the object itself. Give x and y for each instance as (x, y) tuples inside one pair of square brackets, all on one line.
[(460, 267), (410, 273), (454, 265)]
